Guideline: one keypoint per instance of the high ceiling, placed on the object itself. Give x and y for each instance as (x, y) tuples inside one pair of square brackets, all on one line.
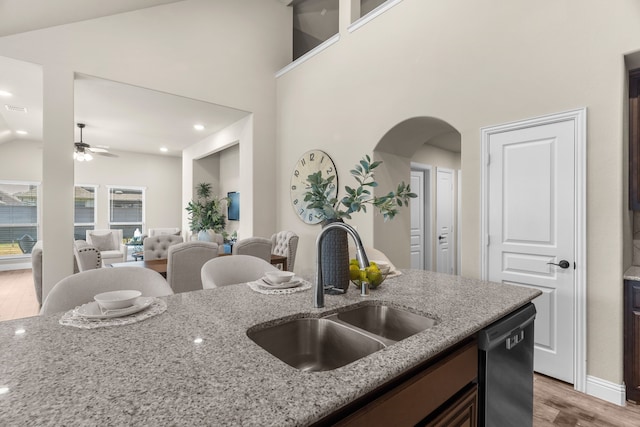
[(18, 16), (119, 116)]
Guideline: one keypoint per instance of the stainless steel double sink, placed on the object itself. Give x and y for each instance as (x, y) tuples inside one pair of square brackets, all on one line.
[(326, 343)]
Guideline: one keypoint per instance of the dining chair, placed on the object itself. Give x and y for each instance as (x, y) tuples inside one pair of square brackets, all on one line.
[(285, 243), (255, 246), (184, 262), (157, 247), (36, 269), (78, 289), (229, 270)]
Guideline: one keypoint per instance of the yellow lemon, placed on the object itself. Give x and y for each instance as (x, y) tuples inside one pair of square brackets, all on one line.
[(374, 277), (354, 272), (353, 261)]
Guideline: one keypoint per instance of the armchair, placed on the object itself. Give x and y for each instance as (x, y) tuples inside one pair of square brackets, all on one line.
[(86, 257), (109, 243), (285, 243), (159, 231)]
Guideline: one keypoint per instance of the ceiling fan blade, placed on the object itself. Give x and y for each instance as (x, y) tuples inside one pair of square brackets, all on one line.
[(98, 150), (106, 154)]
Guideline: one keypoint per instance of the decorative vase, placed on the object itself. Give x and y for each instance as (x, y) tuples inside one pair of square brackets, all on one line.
[(335, 257), (204, 236)]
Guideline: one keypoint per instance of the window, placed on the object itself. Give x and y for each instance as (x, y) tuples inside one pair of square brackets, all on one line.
[(18, 217), (126, 209), (314, 22), (367, 6), (84, 211)]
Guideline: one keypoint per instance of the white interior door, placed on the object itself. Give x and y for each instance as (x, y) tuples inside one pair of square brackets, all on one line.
[(531, 205), (417, 220), (444, 221)]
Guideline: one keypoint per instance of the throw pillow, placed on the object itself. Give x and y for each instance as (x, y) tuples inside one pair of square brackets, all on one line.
[(103, 242)]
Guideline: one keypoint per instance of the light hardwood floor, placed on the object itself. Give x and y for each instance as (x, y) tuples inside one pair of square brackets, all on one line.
[(17, 295), (554, 403)]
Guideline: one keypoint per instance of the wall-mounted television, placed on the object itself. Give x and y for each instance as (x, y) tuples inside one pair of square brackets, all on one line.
[(233, 207)]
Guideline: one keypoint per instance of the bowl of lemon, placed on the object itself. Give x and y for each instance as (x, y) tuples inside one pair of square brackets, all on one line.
[(374, 274)]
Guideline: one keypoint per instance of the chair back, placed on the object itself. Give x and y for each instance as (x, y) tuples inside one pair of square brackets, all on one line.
[(160, 231), (184, 262), (78, 289), (157, 247), (285, 243), (229, 270), (86, 257), (36, 268), (255, 246)]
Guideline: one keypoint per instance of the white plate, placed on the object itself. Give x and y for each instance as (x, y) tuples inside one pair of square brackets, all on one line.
[(92, 310), (295, 281)]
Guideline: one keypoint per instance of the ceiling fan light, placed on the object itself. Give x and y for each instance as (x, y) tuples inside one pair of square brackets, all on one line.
[(88, 157), (80, 157)]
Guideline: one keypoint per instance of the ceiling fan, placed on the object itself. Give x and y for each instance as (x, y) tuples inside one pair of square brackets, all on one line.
[(84, 151)]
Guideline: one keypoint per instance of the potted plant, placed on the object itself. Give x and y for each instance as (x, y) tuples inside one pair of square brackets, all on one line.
[(205, 212), (319, 195)]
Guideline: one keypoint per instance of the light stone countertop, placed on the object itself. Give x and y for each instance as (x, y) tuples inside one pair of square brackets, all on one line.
[(152, 373)]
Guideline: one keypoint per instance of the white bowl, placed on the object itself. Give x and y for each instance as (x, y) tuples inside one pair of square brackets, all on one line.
[(278, 277), (117, 299)]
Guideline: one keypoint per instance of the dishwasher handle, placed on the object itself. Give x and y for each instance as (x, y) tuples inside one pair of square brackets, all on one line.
[(514, 339)]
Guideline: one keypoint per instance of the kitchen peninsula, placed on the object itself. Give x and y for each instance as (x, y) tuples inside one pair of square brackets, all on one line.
[(195, 365)]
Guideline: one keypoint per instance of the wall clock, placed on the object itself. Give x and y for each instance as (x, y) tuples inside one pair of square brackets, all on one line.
[(310, 162)]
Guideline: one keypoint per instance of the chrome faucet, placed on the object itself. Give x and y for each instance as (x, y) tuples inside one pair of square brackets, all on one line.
[(318, 290)]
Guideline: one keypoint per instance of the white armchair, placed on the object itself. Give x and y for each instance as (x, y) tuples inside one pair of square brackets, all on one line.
[(86, 257), (109, 243)]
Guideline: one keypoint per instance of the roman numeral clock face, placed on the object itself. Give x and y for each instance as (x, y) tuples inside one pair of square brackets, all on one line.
[(310, 162)]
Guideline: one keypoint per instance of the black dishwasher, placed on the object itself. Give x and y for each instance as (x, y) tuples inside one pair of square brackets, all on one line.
[(505, 371)]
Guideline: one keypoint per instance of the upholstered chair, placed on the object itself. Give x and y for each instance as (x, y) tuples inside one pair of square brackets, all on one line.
[(36, 268), (80, 288), (256, 246), (184, 262), (285, 243), (86, 257), (159, 231), (229, 270), (157, 247), (109, 243)]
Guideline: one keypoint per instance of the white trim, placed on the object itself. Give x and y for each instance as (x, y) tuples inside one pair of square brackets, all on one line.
[(606, 390), (372, 15), (14, 265), (313, 52), (579, 117), (427, 213), (459, 224)]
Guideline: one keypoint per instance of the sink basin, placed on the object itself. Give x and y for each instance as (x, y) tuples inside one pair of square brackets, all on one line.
[(315, 344), (386, 322)]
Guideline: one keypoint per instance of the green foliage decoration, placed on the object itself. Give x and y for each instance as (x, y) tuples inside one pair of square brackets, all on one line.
[(205, 211), (318, 194)]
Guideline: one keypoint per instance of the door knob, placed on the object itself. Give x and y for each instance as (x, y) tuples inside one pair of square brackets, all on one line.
[(440, 237), (562, 264)]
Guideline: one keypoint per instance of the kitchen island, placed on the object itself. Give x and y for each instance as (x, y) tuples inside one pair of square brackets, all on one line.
[(195, 365)]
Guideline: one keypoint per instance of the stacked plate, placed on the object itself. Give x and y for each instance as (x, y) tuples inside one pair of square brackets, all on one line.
[(280, 280), (109, 305)]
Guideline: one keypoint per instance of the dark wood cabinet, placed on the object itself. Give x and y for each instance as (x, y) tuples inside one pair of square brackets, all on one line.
[(440, 393), (632, 339), (462, 412), (634, 140)]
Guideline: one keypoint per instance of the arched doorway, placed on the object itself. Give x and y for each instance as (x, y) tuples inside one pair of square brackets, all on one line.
[(429, 237)]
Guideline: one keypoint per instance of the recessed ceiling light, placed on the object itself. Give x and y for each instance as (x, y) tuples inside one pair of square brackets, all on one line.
[(5, 93), (164, 149), (198, 127), (21, 132)]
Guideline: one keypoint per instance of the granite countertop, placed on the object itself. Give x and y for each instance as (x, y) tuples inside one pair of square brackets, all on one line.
[(632, 273), (152, 372)]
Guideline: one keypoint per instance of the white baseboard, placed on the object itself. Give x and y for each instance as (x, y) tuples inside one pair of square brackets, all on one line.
[(16, 266), (606, 390)]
